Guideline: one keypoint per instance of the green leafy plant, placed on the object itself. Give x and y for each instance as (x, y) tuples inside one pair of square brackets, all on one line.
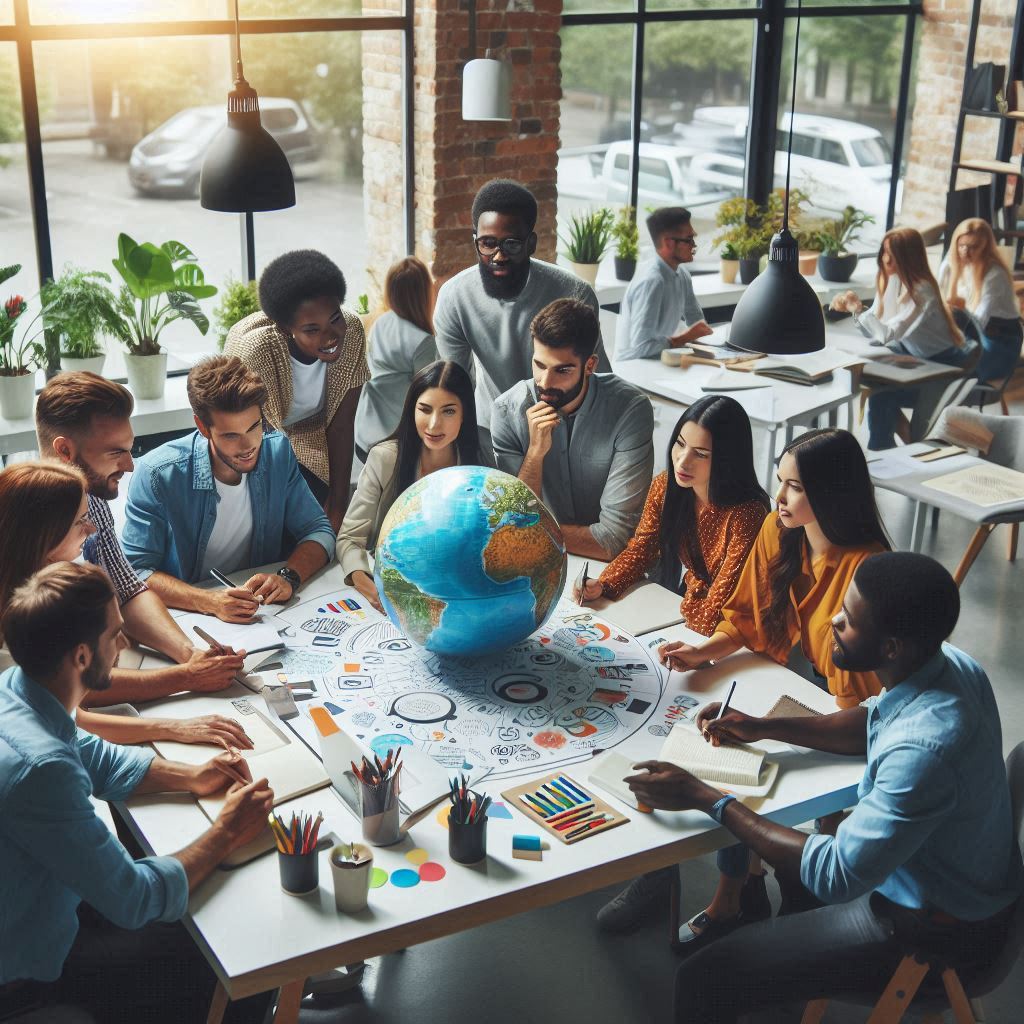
[(589, 235), (626, 234), (836, 236), (17, 357), (363, 305), (728, 252), (749, 227), (238, 299), (161, 284), (77, 308)]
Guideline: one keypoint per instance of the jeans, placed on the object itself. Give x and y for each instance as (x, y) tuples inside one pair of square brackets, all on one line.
[(843, 949), (1000, 349), (884, 406)]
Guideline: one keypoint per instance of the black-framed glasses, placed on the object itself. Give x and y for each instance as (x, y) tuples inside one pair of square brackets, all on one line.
[(685, 239), (488, 245)]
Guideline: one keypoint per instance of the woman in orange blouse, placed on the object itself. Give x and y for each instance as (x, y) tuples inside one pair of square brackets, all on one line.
[(701, 516)]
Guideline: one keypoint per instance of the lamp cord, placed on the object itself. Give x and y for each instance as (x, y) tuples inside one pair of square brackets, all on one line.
[(792, 114), (238, 45), (472, 29)]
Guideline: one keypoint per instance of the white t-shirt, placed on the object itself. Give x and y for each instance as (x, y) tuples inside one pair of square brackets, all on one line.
[(231, 540), (308, 387)]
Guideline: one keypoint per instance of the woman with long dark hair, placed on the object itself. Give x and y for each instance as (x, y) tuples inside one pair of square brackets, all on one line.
[(437, 429), (701, 516)]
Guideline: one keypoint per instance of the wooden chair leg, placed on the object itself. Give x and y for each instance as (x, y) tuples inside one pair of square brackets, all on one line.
[(962, 1012), (899, 992), (1014, 534), (218, 1005), (288, 1000), (814, 1011), (972, 552)]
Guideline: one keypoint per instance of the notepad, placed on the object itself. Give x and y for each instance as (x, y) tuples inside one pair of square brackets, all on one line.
[(261, 635), (731, 764)]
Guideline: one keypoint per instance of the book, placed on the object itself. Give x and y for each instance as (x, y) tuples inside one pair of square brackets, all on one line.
[(790, 707), (732, 380), (731, 764), (812, 368)]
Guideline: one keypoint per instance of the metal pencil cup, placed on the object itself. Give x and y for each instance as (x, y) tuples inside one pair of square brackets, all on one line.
[(467, 844), (379, 808), (300, 872), (351, 877)]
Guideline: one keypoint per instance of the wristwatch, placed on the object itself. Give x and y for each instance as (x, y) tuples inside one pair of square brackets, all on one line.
[(291, 576), (719, 806)]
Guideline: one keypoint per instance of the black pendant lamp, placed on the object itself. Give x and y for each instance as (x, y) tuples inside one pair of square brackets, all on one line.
[(779, 312), (245, 170)]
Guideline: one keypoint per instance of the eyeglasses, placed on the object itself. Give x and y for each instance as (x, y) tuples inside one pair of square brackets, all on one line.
[(488, 245), (685, 239)]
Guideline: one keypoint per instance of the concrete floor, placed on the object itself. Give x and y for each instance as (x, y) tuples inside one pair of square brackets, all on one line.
[(552, 965)]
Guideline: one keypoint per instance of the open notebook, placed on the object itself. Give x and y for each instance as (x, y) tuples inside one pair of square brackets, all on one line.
[(738, 767)]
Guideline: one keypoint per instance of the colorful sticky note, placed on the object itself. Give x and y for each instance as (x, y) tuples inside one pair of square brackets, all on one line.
[(417, 857), (404, 878), (499, 810), (431, 872), (378, 876)]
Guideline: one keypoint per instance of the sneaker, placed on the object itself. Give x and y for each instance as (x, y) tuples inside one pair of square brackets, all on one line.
[(754, 902), (643, 898), (708, 930)]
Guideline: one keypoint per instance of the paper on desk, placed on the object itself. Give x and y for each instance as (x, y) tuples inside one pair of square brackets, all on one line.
[(261, 635), (987, 486), (892, 464), (732, 380)]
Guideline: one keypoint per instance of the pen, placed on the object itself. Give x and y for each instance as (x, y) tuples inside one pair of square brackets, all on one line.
[(203, 635), (222, 579), (583, 585), (231, 773), (725, 705)]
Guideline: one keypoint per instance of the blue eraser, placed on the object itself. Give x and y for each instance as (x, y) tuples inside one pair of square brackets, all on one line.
[(526, 843)]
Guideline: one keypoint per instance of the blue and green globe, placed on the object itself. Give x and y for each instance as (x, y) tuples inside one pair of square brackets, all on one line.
[(469, 562)]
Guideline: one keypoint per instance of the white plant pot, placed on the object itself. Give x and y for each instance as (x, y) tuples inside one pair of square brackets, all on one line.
[(84, 364), (147, 375), (586, 271), (17, 396)]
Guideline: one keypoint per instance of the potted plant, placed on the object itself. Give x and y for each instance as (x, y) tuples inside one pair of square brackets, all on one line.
[(836, 262), (78, 308), (750, 248), (745, 236), (18, 359), (161, 285), (238, 299), (587, 242), (627, 243), (728, 263), (810, 249)]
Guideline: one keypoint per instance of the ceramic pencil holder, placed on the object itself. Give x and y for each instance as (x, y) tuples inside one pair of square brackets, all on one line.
[(300, 872), (351, 867), (379, 808), (467, 844)]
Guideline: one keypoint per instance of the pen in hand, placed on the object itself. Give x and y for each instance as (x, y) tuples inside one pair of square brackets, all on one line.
[(725, 704)]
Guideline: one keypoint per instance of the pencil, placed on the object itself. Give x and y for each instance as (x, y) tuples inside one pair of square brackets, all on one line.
[(231, 773), (203, 635), (725, 705)]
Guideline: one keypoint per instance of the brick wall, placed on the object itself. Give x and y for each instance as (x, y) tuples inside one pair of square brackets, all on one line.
[(453, 158), (940, 79)]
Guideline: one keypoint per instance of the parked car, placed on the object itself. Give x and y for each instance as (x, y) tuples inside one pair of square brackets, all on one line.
[(169, 159), (664, 178)]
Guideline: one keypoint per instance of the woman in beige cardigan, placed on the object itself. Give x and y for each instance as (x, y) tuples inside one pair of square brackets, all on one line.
[(438, 429), (311, 354)]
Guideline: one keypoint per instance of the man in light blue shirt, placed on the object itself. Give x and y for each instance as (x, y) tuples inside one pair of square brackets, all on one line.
[(928, 857), (661, 295), (64, 631), (226, 497)]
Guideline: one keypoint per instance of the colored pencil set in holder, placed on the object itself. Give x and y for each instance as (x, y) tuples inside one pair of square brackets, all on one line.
[(467, 823), (378, 797), (296, 852)]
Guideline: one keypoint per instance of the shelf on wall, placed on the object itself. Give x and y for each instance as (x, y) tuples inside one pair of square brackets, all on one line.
[(989, 166), (1008, 115)]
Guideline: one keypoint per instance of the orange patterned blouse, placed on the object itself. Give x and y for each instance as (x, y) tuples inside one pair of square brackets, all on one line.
[(725, 534)]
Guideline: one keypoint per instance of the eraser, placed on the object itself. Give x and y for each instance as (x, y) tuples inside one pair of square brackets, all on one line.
[(520, 842), (527, 854)]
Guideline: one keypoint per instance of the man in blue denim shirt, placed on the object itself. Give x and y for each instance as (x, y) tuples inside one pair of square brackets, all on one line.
[(928, 854), (64, 631), (225, 497)]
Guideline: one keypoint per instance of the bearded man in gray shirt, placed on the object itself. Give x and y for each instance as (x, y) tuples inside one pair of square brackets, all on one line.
[(485, 311), (581, 440)]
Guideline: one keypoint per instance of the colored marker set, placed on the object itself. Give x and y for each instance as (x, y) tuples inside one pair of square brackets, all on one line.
[(564, 808)]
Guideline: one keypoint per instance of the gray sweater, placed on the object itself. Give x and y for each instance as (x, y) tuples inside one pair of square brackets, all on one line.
[(468, 323), (599, 468)]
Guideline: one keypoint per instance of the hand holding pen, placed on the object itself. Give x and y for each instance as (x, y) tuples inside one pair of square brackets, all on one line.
[(231, 604)]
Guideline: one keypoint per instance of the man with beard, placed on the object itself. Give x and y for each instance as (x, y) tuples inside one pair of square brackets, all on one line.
[(928, 858), (661, 295), (225, 497), (485, 311), (582, 441), (84, 924), (84, 419)]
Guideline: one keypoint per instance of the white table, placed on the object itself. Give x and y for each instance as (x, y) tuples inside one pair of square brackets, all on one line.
[(257, 938)]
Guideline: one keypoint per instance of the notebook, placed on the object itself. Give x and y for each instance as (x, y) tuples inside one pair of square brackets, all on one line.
[(739, 767)]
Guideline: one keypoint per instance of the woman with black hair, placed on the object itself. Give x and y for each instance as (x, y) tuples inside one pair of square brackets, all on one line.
[(437, 429), (701, 516), (311, 354)]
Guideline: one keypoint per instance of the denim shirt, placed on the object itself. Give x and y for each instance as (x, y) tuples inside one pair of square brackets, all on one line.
[(657, 299), (54, 850), (933, 827), (172, 508)]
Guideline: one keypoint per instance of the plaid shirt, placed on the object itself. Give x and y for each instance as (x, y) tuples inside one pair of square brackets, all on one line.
[(104, 549)]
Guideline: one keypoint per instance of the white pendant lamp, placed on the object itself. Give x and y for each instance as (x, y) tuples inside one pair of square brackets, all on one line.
[(486, 83)]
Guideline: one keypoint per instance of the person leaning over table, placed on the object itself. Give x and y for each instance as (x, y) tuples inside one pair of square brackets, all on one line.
[(927, 859), (788, 591), (84, 420), (123, 959), (227, 496), (437, 429), (311, 354), (44, 519), (582, 441), (701, 516)]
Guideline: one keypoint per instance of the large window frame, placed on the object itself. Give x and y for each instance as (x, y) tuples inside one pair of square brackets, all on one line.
[(24, 33), (764, 102)]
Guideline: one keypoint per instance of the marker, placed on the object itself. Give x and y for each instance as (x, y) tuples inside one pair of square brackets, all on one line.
[(578, 809), (578, 820)]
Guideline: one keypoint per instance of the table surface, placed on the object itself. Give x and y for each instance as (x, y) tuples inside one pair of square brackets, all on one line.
[(257, 937)]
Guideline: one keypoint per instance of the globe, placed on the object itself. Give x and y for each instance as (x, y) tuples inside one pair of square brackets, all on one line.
[(469, 562)]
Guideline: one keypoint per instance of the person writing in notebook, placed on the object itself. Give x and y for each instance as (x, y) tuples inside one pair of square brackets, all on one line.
[(64, 630), (928, 857), (227, 496)]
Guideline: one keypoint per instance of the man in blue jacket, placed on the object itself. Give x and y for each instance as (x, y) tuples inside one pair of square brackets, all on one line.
[(225, 497)]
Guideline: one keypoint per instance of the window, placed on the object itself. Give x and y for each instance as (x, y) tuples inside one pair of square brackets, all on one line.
[(832, 152), (15, 206)]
